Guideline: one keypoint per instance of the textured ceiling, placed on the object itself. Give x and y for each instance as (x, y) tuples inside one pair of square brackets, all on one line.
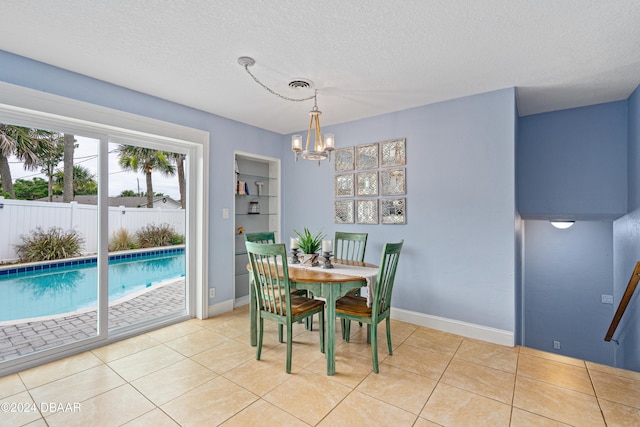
[(365, 57)]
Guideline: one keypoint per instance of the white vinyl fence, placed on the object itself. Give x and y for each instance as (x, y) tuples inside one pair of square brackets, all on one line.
[(21, 217)]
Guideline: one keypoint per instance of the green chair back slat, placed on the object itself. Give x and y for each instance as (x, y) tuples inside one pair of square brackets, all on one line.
[(350, 246), (386, 278), (261, 237)]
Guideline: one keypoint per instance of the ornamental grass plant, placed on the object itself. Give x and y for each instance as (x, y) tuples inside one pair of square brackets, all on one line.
[(46, 245)]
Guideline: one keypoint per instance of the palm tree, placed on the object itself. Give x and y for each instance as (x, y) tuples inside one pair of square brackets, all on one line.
[(84, 182), (50, 159), (145, 160), (69, 192), (24, 143), (179, 159)]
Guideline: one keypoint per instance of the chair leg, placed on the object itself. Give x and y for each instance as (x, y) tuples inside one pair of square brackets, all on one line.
[(374, 345), (280, 333), (347, 330), (289, 346), (389, 335), (309, 320), (321, 326), (369, 333), (260, 333)]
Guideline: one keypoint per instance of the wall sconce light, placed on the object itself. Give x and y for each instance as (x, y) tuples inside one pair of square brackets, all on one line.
[(562, 224)]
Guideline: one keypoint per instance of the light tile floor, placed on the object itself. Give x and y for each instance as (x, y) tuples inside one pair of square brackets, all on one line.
[(204, 373)]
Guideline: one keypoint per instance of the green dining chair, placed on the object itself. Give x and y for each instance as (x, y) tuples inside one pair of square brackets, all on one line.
[(261, 237), (274, 299), (355, 307), (269, 237), (351, 247)]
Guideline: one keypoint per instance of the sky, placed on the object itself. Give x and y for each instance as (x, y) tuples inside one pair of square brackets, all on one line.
[(86, 155)]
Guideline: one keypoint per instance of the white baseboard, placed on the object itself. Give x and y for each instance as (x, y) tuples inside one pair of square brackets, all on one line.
[(221, 307), (241, 301), (225, 306), (469, 330)]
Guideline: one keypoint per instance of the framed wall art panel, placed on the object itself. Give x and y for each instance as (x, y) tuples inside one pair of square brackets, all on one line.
[(393, 182), (343, 210), (344, 185), (393, 153), (367, 156), (367, 183), (344, 159), (393, 211), (367, 211)]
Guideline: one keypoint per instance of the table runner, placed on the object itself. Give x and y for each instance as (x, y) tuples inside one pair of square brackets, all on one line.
[(369, 273)]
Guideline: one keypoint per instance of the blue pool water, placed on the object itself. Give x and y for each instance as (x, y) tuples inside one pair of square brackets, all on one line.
[(50, 290)]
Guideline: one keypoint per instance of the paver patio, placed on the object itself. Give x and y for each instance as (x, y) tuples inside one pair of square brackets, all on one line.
[(24, 338)]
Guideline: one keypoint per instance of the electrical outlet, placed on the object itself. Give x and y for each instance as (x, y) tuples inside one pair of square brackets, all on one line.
[(556, 345), (607, 299), (212, 293), (225, 213)]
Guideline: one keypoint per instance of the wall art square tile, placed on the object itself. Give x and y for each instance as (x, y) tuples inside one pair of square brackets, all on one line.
[(393, 211), (344, 185), (367, 211), (393, 153), (367, 183), (393, 182), (344, 159), (344, 212), (367, 156)]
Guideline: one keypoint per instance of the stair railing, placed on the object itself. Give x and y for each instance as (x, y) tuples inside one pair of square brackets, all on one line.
[(624, 302)]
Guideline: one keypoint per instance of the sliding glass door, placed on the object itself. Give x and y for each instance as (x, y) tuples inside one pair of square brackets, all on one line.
[(97, 224), (147, 235), (49, 223)]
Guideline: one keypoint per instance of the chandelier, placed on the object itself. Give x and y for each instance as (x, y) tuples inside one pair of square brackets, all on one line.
[(321, 149)]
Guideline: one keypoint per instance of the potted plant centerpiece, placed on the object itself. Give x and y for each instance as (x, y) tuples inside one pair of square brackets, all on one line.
[(310, 244)]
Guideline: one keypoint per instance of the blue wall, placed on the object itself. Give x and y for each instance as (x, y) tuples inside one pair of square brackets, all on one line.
[(458, 261), (633, 133), (567, 271), (572, 163), (627, 249)]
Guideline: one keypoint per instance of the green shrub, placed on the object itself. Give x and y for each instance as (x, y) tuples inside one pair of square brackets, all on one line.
[(49, 245), (152, 235), (122, 240)]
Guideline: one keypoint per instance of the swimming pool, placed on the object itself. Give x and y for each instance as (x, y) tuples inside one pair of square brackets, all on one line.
[(68, 286)]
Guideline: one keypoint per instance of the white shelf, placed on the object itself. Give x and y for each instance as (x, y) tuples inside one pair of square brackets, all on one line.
[(254, 168)]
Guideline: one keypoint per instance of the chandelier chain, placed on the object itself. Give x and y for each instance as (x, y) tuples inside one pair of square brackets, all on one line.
[(268, 89)]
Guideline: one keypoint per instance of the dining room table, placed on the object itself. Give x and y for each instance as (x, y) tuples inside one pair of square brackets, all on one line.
[(327, 283)]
